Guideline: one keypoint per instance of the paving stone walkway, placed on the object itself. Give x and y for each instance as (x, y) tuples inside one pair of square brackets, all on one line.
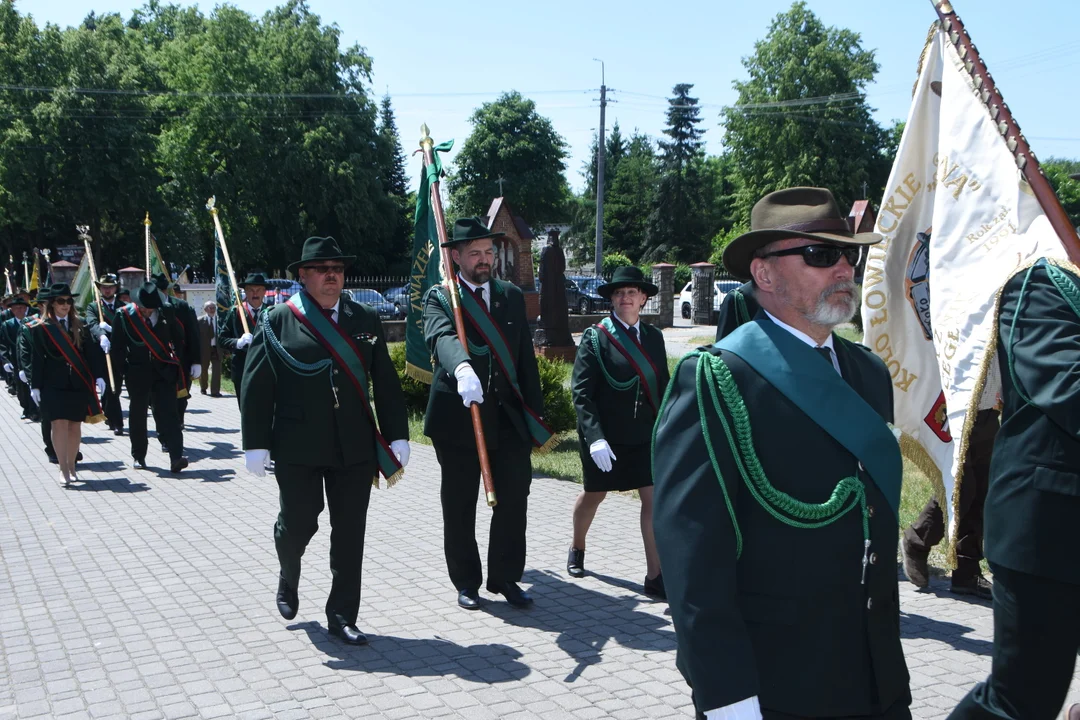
[(145, 595)]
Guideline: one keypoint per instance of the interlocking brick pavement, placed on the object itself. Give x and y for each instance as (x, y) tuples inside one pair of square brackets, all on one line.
[(144, 595)]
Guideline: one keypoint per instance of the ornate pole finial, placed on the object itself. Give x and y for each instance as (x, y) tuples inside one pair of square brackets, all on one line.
[(211, 204), (146, 220), (425, 136), (84, 232)]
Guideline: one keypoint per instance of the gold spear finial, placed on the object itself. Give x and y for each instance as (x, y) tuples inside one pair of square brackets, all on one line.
[(211, 204), (146, 221), (425, 137)]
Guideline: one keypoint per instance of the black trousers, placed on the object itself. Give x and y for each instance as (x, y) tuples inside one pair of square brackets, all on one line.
[(160, 394), (1036, 639), (511, 470), (46, 436), (182, 403), (110, 403), (929, 528), (900, 710), (22, 391), (348, 490)]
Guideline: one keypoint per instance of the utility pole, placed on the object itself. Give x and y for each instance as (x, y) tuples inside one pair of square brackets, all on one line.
[(601, 152)]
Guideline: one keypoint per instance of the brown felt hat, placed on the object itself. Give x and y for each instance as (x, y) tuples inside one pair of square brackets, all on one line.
[(800, 212)]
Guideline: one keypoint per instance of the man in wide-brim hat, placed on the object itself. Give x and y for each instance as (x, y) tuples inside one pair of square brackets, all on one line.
[(143, 342), (231, 335), (9, 335), (778, 485), (306, 402), (100, 324), (510, 411)]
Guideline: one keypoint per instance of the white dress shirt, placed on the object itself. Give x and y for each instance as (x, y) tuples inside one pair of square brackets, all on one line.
[(808, 340), (486, 286), (213, 330), (636, 326)]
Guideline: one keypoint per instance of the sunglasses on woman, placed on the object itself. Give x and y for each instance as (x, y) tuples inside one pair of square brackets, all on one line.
[(63, 301), (823, 256)]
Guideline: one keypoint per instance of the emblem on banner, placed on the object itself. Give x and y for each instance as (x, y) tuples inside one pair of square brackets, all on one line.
[(918, 281)]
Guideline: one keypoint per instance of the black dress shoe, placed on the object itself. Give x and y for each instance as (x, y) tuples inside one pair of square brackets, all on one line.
[(575, 563), (469, 599), (54, 460), (513, 594), (179, 464), (977, 586), (654, 587), (118, 432), (78, 457), (164, 448), (287, 599), (138, 463), (349, 633)]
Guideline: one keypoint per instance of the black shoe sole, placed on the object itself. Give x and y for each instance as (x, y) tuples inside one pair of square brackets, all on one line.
[(286, 612)]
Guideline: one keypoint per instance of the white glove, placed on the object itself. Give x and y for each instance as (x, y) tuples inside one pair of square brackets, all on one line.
[(468, 385), (100, 382), (103, 341), (22, 376), (196, 371), (244, 341), (8, 367), (602, 455), (401, 450), (105, 326), (256, 461), (35, 395)]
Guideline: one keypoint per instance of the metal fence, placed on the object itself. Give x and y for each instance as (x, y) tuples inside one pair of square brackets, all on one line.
[(382, 284)]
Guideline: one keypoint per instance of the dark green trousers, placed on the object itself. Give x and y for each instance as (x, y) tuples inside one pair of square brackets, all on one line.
[(1036, 639), (348, 490), (511, 470), (160, 394)]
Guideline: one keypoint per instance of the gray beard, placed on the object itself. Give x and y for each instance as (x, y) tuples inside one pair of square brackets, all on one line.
[(827, 314)]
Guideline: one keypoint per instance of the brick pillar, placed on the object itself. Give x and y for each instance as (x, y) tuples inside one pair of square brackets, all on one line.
[(704, 288), (663, 303)]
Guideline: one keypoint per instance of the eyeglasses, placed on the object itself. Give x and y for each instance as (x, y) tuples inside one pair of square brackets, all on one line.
[(326, 269), (63, 301), (822, 256)]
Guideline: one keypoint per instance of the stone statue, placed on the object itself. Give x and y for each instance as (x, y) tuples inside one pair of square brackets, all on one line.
[(554, 324)]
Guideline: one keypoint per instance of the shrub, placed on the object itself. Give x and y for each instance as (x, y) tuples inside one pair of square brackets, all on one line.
[(683, 273), (416, 392), (613, 261), (558, 404)]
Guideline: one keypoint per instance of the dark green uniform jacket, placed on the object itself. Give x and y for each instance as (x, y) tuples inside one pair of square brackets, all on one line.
[(232, 330), (293, 415), (186, 335), (447, 419), (622, 417), (50, 371), (739, 306), (9, 336), (789, 621), (140, 369), (94, 323), (1033, 504)]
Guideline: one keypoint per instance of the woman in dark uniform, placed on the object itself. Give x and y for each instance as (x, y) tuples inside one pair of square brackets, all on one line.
[(620, 375), (66, 376)]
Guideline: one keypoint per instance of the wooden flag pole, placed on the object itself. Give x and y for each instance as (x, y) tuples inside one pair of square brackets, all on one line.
[(428, 146), (211, 205), (1008, 128), (146, 222), (84, 235)]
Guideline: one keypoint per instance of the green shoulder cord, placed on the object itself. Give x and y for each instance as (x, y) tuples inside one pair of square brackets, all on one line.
[(634, 382), (713, 373), (1068, 291), (297, 366), (740, 308)]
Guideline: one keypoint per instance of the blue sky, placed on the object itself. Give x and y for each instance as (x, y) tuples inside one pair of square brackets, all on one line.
[(439, 61)]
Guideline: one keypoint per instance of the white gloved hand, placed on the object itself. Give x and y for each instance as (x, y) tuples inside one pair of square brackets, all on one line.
[(196, 371), (602, 455), (22, 376), (35, 395), (401, 450), (105, 326), (8, 367), (103, 341), (468, 385), (256, 461), (244, 341), (100, 382)]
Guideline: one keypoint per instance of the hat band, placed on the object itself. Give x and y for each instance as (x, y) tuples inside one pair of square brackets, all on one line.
[(824, 225)]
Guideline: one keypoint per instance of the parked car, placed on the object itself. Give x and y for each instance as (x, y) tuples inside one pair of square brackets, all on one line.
[(399, 296), (278, 290), (722, 288), (581, 295), (386, 309)]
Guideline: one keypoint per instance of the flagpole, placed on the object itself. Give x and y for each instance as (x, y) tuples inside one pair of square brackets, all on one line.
[(26, 271), (211, 205), (1008, 128), (146, 222), (428, 146), (84, 235)]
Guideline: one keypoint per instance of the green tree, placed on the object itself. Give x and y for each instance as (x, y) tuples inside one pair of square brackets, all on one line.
[(1057, 172), (801, 117), (676, 228), (511, 141), (630, 201)]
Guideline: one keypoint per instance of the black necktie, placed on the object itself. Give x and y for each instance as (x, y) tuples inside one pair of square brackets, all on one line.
[(329, 313), (826, 352), (633, 332), (479, 293)]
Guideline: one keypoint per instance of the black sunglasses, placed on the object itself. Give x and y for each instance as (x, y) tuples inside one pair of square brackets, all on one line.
[(63, 301), (822, 256)]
